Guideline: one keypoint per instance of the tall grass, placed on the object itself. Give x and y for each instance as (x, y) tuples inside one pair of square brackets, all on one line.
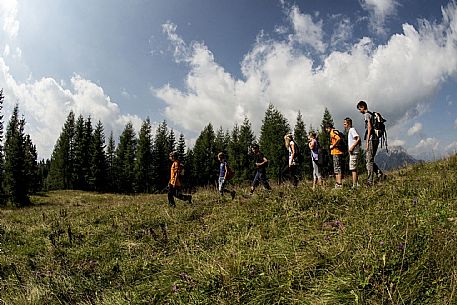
[(391, 244)]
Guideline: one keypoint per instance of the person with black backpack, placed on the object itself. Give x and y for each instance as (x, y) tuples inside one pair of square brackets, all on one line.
[(337, 147), (371, 143), (294, 158)]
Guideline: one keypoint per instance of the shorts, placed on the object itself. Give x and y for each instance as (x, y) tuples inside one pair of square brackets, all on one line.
[(353, 162), (337, 164)]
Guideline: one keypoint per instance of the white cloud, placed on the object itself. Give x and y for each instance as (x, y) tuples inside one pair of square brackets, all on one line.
[(397, 142), (379, 10), (417, 127), (396, 78), (45, 105), (428, 145), (306, 31), (8, 18)]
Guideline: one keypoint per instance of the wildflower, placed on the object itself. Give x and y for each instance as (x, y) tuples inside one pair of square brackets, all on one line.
[(381, 243), (414, 201), (401, 246), (174, 288)]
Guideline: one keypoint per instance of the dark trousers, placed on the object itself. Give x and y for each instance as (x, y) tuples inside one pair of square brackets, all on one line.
[(176, 192), (290, 172), (261, 177)]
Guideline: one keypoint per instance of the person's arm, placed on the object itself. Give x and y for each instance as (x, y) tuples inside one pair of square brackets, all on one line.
[(369, 130), (225, 170)]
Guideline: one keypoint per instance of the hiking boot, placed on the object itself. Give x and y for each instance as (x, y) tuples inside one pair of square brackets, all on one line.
[(382, 176), (338, 186), (233, 193), (189, 199)]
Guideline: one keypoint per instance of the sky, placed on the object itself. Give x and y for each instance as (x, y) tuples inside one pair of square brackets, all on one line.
[(194, 62)]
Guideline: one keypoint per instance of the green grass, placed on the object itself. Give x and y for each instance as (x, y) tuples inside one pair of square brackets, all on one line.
[(392, 244)]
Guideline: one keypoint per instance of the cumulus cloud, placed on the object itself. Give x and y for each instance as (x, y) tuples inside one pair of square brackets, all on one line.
[(8, 18), (45, 104), (379, 10), (397, 142), (395, 78), (426, 146), (415, 129), (306, 31)]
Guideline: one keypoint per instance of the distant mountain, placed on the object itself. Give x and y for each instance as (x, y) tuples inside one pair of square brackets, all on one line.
[(396, 157)]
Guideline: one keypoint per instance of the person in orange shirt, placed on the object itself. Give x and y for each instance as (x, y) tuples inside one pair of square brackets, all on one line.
[(335, 142), (174, 185)]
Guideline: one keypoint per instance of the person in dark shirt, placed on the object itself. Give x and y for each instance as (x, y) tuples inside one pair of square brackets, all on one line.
[(261, 164)]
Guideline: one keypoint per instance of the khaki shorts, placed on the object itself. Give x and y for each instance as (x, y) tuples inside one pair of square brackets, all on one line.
[(353, 162), (337, 164)]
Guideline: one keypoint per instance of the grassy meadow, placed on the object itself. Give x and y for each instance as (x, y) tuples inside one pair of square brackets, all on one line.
[(395, 243)]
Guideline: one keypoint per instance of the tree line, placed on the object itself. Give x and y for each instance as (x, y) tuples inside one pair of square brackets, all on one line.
[(83, 159)]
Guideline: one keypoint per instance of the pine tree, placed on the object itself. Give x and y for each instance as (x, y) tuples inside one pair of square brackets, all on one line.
[(143, 162), (2, 159), (222, 140), (171, 141), (79, 153), (204, 153), (110, 168), (16, 183), (271, 142), (31, 166), (247, 138), (181, 148), (87, 153), (301, 140), (161, 163), (98, 164), (324, 143), (124, 161), (61, 168)]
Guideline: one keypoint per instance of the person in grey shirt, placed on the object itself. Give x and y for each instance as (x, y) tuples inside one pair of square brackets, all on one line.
[(371, 144)]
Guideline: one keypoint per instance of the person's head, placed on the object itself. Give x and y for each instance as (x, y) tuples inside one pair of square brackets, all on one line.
[(312, 135), (287, 138), (255, 148), (347, 123), (362, 106), (328, 127), (173, 156), (221, 156)]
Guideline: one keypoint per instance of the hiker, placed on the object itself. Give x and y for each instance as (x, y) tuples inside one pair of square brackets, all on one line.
[(291, 169), (314, 148), (224, 171), (174, 185), (371, 144), (261, 164), (336, 140), (353, 149)]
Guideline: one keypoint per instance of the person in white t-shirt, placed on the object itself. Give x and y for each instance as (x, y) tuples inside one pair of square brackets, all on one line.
[(353, 149)]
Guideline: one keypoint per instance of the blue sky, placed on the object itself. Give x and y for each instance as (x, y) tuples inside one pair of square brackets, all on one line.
[(191, 62)]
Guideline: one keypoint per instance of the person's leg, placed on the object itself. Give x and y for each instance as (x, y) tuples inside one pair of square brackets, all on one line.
[(264, 180), (370, 162), (171, 200), (183, 197), (353, 168), (337, 170), (255, 182), (220, 185), (293, 172)]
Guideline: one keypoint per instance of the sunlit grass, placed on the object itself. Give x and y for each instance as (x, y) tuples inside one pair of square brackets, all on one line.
[(391, 244)]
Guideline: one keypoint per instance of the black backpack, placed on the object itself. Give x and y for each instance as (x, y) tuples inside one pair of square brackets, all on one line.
[(379, 128), (342, 145), (298, 156)]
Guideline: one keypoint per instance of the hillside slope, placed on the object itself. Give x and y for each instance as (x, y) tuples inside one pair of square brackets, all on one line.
[(392, 244)]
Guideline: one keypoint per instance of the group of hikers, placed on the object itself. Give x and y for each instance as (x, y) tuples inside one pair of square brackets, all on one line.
[(337, 141)]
